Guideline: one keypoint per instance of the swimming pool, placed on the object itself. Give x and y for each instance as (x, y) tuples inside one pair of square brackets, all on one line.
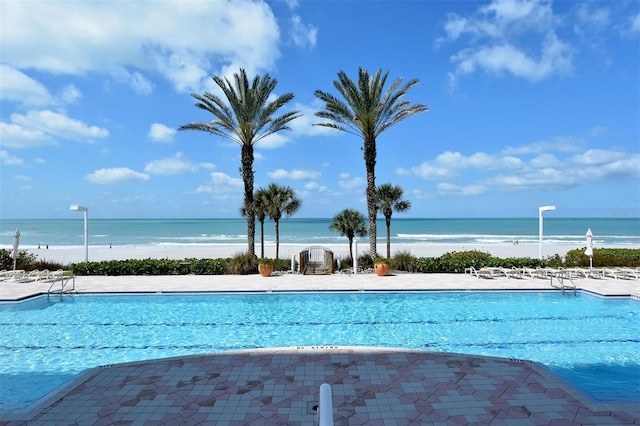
[(592, 342)]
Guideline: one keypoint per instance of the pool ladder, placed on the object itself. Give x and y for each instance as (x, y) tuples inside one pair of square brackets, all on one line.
[(561, 278), (63, 283), (325, 406)]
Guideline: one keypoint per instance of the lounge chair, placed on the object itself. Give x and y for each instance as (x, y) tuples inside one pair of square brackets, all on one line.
[(480, 273), (614, 273), (626, 273), (511, 273), (32, 275), (55, 275), (546, 273), (631, 273), (578, 272), (17, 275)]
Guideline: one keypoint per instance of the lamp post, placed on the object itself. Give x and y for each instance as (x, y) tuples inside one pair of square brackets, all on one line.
[(85, 210), (540, 211)]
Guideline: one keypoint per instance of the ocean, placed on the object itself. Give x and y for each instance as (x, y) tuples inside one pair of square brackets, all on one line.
[(69, 233)]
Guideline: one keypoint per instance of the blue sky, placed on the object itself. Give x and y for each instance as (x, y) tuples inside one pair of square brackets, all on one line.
[(531, 103)]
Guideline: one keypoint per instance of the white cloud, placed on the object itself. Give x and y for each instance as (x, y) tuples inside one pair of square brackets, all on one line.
[(274, 140), (161, 133), (302, 35), (184, 42), (311, 185), (635, 23), (59, 125), (303, 125), (351, 184), (554, 58), (591, 19), (222, 186), (174, 165), (451, 189), (70, 94), (15, 136), (7, 159), (224, 179), (295, 174), (115, 175), (558, 143), (542, 171), (513, 37), (18, 87)]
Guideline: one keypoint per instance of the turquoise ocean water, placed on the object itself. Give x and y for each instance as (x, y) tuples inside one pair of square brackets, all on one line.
[(153, 232)]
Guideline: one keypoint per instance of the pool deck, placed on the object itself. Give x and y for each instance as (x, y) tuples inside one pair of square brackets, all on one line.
[(280, 386)]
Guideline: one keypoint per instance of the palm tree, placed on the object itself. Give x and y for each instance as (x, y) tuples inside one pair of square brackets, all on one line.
[(260, 209), (368, 109), (349, 223), (280, 200), (389, 199), (245, 118)]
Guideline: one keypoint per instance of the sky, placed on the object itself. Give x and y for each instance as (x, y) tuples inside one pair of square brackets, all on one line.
[(531, 103)]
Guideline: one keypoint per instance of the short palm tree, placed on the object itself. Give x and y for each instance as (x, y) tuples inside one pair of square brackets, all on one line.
[(246, 117), (260, 209), (279, 200), (349, 223), (368, 109), (389, 198)]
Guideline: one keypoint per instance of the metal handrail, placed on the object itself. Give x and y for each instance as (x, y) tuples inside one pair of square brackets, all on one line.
[(561, 277), (325, 406), (63, 283)]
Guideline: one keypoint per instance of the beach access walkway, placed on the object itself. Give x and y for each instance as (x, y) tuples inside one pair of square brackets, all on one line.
[(280, 386)]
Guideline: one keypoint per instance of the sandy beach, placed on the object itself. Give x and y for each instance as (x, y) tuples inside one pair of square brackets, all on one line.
[(66, 255)]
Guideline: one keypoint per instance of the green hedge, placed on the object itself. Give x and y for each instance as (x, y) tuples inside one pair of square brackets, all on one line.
[(151, 267), (604, 257), (453, 262)]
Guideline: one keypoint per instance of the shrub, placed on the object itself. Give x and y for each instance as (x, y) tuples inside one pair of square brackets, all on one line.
[(604, 257), (243, 264), (403, 261), (283, 264), (25, 260), (365, 261)]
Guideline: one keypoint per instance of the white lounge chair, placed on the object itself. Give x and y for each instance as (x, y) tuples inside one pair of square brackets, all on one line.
[(480, 273), (511, 273)]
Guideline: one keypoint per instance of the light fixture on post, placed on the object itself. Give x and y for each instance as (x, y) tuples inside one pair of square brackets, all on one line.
[(540, 211), (85, 210)]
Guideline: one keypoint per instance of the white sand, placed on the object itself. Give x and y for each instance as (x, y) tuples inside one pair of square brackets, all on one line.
[(66, 255)]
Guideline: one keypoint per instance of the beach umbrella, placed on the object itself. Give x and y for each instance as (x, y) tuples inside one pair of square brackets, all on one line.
[(589, 250), (14, 252)]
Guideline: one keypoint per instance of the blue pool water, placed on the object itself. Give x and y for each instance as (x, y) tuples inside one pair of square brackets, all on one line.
[(592, 342)]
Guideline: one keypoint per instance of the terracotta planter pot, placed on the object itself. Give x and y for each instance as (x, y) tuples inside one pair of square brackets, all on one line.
[(381, 268), (265, 270)]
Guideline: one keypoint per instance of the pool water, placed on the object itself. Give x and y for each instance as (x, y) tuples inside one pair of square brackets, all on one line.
[(592, 342)]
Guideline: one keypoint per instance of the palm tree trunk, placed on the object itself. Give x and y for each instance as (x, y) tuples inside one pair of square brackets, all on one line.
[(372, 208), (277, 238), (262, 239), (388, 220), (248, 178)]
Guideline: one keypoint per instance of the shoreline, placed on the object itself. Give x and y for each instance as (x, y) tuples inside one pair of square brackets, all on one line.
[(74, 254)]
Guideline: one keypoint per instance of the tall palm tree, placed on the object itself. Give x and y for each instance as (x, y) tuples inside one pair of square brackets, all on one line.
[(349, 223), (389, 198), (280, 200), (245, 118), (367, 110)]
